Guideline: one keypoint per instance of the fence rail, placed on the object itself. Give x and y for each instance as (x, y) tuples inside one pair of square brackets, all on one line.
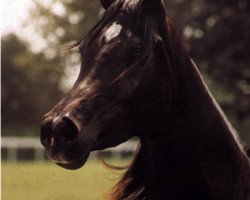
[(30, 148)]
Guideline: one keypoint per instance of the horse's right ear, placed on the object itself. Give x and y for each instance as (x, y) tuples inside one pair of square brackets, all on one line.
[(106, 3)]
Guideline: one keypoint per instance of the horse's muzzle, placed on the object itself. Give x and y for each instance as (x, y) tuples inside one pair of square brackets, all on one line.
[(58, 132), (60, 137)]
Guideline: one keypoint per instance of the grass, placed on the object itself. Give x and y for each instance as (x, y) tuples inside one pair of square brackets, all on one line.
[(46, 181)]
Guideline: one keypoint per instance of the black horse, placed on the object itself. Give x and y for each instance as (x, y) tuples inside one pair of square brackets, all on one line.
[(137, 79)]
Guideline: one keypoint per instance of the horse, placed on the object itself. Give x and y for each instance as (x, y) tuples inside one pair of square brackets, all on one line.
[(137, 79)]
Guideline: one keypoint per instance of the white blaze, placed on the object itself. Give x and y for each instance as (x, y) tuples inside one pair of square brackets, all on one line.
[(131, 2), (112, 32)]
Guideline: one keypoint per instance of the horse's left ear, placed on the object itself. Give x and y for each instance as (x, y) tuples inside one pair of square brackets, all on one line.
[(106, 3), (151, 5)]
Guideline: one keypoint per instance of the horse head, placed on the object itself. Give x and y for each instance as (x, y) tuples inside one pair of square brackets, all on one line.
[(117, 90)]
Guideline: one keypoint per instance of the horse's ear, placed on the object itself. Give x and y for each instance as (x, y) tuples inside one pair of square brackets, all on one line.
[(106, 3), (151, 5)]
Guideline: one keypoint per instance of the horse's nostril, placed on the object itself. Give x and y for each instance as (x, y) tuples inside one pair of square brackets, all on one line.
[(45, 131), (58, 132), (65, 131)]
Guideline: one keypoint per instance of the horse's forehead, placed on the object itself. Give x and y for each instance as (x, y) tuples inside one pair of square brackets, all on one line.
[(130, 3), (115, 28), (113, 31)]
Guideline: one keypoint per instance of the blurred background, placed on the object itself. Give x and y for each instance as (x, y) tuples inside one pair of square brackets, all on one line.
[(37, 72)]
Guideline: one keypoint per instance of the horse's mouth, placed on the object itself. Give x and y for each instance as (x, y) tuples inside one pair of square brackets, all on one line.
[(74, 164), (72, 157)]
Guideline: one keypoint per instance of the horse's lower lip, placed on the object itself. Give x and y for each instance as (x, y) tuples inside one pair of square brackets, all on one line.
[(75, 164)]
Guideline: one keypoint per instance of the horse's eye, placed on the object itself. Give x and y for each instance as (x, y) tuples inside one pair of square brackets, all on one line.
[(135, 48), (139, 50)]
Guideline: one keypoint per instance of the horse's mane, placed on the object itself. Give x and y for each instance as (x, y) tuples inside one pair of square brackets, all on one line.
[(132, 185)]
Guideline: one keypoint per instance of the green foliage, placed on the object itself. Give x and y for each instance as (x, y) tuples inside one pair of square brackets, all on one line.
[(64, 21), (218, 33), (29, 86), (40, 181)]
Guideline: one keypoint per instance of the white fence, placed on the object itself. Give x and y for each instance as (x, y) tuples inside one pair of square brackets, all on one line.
[(30, 147)]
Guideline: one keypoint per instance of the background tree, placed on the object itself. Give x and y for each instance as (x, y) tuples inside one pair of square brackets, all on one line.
[(29, 86)]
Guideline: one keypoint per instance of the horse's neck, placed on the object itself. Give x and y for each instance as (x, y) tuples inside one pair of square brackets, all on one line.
[(196, 113), (196, 149), (192, 154)]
